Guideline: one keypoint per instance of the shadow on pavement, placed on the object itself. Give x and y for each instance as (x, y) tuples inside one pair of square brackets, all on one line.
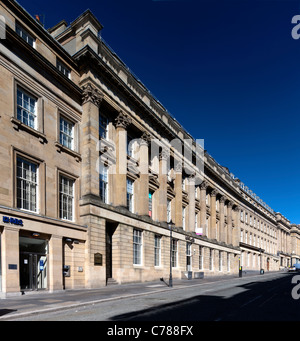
[(270, 300)]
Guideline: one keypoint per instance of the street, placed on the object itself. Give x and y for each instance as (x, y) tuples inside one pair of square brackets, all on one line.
[(258, 298)]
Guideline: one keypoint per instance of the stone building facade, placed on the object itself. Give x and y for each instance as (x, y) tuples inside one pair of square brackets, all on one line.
[(94, 168)]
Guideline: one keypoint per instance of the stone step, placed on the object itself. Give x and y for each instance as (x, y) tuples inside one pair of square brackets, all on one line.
[(111, 281)]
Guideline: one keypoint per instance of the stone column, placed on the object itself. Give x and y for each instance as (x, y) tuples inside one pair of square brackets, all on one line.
[(213, 222), (222, 236), (55, 263), (122, 122), (10, 260), (92, 99), (191, 195), (143, 181), (162, 191), (228, 240), (203, 188), (178, 194)]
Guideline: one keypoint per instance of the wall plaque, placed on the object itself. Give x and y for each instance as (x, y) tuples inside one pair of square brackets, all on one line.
[(97, 259)]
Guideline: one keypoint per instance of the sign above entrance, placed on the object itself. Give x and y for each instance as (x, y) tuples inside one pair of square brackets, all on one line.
[(13, 221)]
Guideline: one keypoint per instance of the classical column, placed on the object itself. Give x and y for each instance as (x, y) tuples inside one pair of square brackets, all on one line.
[(178, 193), (222, 220), (143, 181), (213, 222), (203, 188), (191, 195), (91, 101), (162, 191), (122, 122), (228, 240)]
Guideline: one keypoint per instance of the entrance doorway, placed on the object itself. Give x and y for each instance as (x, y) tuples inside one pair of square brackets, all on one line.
[(109, 231), (33, 263)]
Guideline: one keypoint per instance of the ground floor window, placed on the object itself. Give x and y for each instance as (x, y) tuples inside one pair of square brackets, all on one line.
[(211, 259), (174, 253), (157, 250), (137, 247)]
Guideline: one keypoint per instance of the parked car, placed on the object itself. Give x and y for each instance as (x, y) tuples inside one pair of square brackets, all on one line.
[(291, 268)]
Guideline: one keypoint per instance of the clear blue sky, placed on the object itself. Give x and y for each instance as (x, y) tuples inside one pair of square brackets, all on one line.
[(228, 71)]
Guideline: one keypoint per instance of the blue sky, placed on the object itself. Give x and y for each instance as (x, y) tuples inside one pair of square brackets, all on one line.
[(228, 71)]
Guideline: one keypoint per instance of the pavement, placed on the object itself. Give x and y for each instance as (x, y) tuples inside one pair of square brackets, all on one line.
[(38, 302)]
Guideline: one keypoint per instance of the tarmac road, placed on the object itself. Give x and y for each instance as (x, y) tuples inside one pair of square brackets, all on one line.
[(255, 298)]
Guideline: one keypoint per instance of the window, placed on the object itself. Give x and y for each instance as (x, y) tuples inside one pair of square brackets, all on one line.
[(103, 127), (174, 253), (157, 250), (104, 184), (211, 259), (66, 134), (150, 203), (27, 183), (200, 257), (26, 108), (137, 247), (130, 195), (188, 256), (63, 68), (169, 216), (25, 35), (228, 262), (242, 234), (129, 145), (183, 218), (66, 198)]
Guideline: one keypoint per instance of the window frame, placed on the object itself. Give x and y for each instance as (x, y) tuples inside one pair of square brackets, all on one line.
[(36, 184), (21, 31), (69, 178), (137, 247)]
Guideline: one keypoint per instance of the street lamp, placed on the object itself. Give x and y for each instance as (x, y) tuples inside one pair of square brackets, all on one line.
[(171, 224)]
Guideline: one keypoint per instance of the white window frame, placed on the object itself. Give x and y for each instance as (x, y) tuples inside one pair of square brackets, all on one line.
[(130, 194), (103, 183), (20, 30), (27, 183), (137, 247), (157, 250), (30, 109), (66, 132), (66, 197)]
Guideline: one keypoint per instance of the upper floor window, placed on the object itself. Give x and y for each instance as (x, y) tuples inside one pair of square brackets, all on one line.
[(25, 35), (104, 184), (26, 108), (66, 198), (63, 68), (66, 134), (150, 203), (27, 183), (130, 195), (103, 127)]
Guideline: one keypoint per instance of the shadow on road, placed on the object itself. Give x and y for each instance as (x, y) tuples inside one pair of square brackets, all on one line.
[(270, 300)]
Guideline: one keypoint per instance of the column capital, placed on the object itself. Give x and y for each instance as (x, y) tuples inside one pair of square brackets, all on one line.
[(123, 120), (204, 184), (213, 193), (222, 199), (91, 94), (146, 138)]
